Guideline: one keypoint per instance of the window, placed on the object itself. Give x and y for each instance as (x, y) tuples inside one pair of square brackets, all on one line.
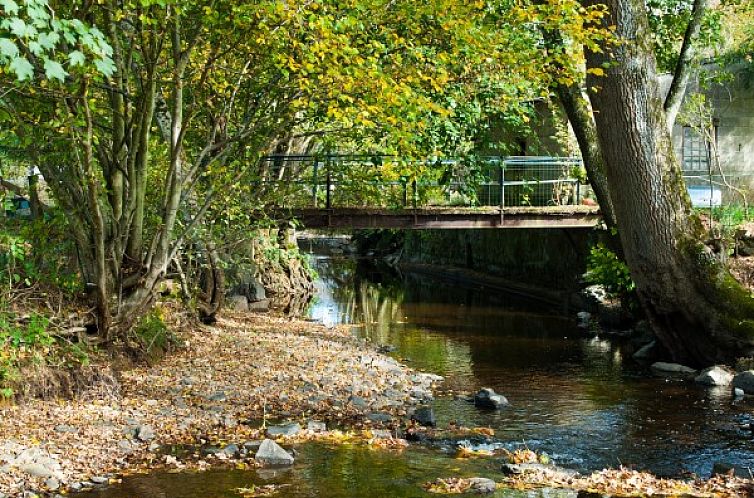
[(695, 154)]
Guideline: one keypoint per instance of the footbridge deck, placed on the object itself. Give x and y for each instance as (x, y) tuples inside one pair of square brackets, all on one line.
[(443, 217)]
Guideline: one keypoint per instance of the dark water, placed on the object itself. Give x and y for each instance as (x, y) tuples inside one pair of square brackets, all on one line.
[(581, 400)]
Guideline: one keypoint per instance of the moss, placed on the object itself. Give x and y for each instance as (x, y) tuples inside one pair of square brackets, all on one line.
[(732, 301)]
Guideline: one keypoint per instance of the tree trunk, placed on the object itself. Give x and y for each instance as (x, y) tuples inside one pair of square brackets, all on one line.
[(579, 115), (696, 308), (682, 72)]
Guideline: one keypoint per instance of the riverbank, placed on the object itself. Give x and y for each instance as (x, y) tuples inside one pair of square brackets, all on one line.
[(221, 387)]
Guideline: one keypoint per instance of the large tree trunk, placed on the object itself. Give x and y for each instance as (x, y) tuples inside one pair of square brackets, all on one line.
[(698, 311)]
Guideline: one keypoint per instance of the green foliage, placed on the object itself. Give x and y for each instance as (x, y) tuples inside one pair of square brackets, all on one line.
[(668, 20), (731, 216), (153, 335), (606, 269), (38, 252), (33, 40), (21, 343), (14, 260)]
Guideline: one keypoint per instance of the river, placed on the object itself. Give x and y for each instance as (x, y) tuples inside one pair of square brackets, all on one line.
[(579, 399)]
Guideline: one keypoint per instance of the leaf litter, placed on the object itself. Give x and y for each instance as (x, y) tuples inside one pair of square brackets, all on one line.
[(227, 384)]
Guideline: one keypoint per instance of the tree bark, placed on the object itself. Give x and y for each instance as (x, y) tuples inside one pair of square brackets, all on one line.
[(580, 116), (696, 308)]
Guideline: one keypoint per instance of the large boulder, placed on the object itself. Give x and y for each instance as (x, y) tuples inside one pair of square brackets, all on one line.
[(715, 376), (238, 303), (663, 369), (489, 399), (744, 381), (270, 453), (260, 306)]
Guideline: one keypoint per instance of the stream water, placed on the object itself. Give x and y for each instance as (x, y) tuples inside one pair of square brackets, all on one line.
[(581, 400)]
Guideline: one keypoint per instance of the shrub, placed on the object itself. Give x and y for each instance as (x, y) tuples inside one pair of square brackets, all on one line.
[(605, 268), (152, 336)]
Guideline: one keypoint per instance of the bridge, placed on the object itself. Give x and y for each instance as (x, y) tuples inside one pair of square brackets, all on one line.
[(374, 191)]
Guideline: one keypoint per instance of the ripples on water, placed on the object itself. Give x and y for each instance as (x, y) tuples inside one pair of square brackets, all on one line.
[(579, 399)]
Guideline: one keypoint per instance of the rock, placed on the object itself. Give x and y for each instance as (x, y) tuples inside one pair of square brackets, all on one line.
[(715, 376), (36, 470), (744, 381), (648, 352), (584, 318), (256, 291), (284, 430), (238, 303), (66, 428), (52, 484), (145, 433), (229, 422), (358, 401), (432, 377), (421, 394), (745, 240), (386, 348), (594, 295), (218, 396), (316, 426), (100, 480), (482, 485), (523, 468), (664, 369), (261, 305), (76, 486), (379, 417), (231, 450), (488, 398), (425, 416), (724, 468), (125, 446), (382, 434), (270, 453), (738, 392), (209, 450), (252, 445)]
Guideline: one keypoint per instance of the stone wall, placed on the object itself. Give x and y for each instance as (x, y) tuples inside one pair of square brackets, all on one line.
[(732, 102), (553, 258)]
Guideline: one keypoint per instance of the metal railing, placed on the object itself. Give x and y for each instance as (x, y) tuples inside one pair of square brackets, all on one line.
[(362, 180)]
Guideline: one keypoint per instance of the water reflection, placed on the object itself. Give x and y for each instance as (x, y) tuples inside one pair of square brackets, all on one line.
[(577, 398), (323, 472)]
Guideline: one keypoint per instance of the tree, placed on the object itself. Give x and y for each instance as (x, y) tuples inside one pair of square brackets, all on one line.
[(696, 308), (225, 82)]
